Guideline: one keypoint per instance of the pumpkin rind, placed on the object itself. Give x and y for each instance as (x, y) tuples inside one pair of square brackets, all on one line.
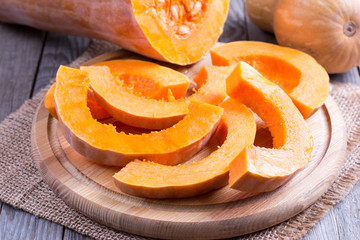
[(49, 101), (261, 12), (151, 180), (328, 30), (297, 73), (265, 169), (141, 26), (101, 143)]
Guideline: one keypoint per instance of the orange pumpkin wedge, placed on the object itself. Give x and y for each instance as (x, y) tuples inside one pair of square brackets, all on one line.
[(149, 79), (96, 110), (265, 169), (101, 143), (141, 112), (297, 73), (152, 180)]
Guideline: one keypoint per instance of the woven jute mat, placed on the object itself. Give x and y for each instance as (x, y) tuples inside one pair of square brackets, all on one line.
[(21, 185)]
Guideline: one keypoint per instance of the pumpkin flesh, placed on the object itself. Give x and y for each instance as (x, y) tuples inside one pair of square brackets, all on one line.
[(265, 169), (151, 180), (101, 143), (291, 69)]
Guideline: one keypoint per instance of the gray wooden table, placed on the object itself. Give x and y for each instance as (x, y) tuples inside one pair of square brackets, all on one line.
[(29, 58)]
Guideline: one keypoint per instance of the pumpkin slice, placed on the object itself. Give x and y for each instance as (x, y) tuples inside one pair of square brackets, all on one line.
[(297, 73), (264, 169), (149, 79), (96, 110), (101, 143), (138, 111), (152, 180)]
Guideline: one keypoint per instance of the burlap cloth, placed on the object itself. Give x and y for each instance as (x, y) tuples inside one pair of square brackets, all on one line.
[(21, 185)]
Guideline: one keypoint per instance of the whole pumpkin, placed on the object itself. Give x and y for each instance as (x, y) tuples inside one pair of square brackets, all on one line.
[(261, 12), (326, 29)]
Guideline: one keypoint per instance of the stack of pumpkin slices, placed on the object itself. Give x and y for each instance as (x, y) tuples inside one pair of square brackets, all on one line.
[(276, 83)]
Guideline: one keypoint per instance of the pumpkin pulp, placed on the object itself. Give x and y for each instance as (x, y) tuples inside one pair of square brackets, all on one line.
[(264, 169), (152, 180), (297, 73), (101, 143), (182, 31)]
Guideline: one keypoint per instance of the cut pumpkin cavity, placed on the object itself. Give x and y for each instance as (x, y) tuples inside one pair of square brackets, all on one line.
[(265, 169), (103, 144)]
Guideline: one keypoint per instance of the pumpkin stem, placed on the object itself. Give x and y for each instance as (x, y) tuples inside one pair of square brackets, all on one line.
[(350, 28)]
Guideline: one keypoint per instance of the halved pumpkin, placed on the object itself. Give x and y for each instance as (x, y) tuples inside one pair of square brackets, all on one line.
[(138, 111), (149, 79), (265, 169), (96, 110), (297, 73), (177, 31), (152, 180), (101, 143)]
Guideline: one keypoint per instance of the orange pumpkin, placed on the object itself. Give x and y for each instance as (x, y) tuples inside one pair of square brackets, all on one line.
[(328, 30), (261, 13)]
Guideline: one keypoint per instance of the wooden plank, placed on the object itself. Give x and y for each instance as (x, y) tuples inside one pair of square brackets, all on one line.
[(347, 215), (20, 49), (59, 50), (351, 76), (16, 224), (72, 235), (45, 229), (325, 228)]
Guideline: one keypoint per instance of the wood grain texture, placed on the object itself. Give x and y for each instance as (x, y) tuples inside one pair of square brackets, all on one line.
[(89, 187), (17, 74), (59, 49), (16, 224)]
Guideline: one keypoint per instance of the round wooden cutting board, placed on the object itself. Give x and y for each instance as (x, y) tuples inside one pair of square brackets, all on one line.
[(89, 187)]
